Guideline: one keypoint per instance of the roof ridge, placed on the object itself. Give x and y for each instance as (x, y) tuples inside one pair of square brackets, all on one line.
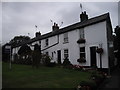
[(106, 14)]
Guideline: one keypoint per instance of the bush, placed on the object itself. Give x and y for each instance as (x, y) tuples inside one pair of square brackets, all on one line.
[(45, 59), (86, 84), (78, 67), (81, 60), (66, 62), (20, 60), (98, 78)]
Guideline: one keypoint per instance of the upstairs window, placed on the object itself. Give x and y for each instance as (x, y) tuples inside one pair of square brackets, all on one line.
[(82, 35), (46, 42), (65, 38), (66, 53)]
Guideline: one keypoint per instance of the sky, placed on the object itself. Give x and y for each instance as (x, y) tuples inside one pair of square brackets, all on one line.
[(20, 18)]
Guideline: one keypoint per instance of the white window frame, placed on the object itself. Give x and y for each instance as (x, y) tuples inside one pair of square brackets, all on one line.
[(66, 53), (82, 52), (65, 39)]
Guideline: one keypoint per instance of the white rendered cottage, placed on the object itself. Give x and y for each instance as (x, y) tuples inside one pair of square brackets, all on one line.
[(79, 40)]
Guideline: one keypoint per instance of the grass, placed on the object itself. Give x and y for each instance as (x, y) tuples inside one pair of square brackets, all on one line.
[(23, 76)]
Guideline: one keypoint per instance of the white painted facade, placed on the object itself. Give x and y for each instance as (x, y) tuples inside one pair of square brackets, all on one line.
[(95, 35)]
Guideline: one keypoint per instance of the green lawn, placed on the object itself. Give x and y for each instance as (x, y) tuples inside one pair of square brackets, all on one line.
[(23, 76)]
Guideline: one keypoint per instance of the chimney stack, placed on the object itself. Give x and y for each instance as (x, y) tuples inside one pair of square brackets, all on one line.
[(55, 27), (83, 16), (38, 34)]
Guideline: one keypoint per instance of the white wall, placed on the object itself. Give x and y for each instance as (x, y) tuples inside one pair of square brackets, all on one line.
[(94, 35)]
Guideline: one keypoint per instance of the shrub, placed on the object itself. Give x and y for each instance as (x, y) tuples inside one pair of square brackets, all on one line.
[(21, 60), (98, 78), (45, 59), (66, 62), (86, 84), (78, 67), (81, 60)]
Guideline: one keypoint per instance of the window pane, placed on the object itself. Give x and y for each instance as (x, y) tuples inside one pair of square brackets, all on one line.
[(82, 49), (81, 33), (66, 53), (82, 52), (65, 37)]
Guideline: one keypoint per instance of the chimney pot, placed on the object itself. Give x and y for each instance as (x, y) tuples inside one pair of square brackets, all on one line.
[(38, 34), (55, 27), (83, 16)]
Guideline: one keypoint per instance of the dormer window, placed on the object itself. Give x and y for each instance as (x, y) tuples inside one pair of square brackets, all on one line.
[(65, 39), (46, 42)]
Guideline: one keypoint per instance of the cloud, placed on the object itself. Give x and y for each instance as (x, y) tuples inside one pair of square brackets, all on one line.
[(119, 13), (0, 22), (20, 18)]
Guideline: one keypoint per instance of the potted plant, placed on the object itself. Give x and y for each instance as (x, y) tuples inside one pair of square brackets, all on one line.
[(99, 50), (81, 40), (81, 60)]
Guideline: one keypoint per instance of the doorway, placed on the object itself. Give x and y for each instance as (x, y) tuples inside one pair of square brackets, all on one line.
[(93, 56), (59, 56)]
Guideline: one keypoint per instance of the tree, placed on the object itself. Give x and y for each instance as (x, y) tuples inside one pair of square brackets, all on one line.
[(25, 55), (25, 49), (117, 42), (18, 40), (36, 56)]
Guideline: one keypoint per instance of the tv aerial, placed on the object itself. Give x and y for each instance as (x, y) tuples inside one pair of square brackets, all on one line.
[(56, 23)]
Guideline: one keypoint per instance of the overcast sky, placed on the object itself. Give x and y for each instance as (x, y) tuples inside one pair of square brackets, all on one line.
[(20, 18)]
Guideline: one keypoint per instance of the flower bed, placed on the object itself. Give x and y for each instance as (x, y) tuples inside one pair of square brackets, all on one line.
[(81, 60), (94, 81), (75, 67)]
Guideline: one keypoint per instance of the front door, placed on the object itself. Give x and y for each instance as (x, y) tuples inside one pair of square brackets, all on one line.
[(59, 56), (93, 56)]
